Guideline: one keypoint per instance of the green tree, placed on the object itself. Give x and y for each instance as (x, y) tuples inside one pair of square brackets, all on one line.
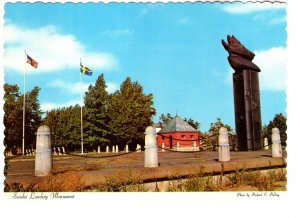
[(214, 127), (164, 119), (33, 117), (211, 138), (13, 117), (193, 123), (96, 117), (130, 113), (279, 121), (65, 127)]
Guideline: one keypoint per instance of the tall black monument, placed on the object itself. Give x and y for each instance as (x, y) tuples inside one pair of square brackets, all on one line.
[(246, 95)]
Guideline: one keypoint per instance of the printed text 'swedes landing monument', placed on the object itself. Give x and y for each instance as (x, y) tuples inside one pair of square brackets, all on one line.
[(246, 95)]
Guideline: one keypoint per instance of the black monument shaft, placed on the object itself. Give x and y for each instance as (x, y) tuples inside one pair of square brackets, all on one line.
[(247, 109)]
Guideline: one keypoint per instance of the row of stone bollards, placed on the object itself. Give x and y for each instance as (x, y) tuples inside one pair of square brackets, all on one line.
[(115, 149), (43, 158), (59, 151), (224, 151)]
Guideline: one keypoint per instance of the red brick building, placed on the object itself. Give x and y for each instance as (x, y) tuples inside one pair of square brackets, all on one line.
[(177, 130)]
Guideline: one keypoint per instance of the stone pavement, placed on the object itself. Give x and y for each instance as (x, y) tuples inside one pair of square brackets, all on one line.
[(96, 170)]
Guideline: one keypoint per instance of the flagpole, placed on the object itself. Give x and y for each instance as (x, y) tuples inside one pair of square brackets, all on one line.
[(81, 112), (24, 101)]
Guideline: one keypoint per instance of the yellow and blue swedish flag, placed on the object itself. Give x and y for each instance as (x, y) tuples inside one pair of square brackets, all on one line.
[(85, 70)]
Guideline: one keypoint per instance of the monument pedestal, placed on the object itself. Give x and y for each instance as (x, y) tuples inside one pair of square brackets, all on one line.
[(247, 109)]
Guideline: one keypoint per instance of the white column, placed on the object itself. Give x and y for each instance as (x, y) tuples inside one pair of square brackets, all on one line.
[(266, 143), (194, 146), (224, 150), (163, 147), (54, 151), (126, 148), (138, 148), (99, 150), (43, 157), (63, 150), (58, 148), (276, 143), (151, 156), (178, 146), (107, 149), (113, 149), (117, 148)]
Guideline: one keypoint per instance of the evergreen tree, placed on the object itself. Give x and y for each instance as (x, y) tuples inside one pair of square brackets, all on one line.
[(96, 118), (212, 135), (214, 127), (130, 113), (13, 117), (164, 119), (279, 121), (65, 129), (193, 123), (33, 117)]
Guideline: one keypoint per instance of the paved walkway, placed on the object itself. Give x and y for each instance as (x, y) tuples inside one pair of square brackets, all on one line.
[(95, 170)]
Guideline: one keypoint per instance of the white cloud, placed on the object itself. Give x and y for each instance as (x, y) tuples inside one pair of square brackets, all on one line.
[(240, 8), (52, 50), (272, 64), (50, 106), (75, 88), (111, 87)]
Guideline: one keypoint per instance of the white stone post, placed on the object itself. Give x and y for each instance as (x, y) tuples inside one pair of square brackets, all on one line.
[(113, 149), (63, 150), (43, 157), (99, 150), (163, 147), (276, 143), (107, 149), (117, 148), (151, 156), (126, 148), (266, 143), (54, 151), (178, 146), (194, 146), (138, 148), (224, 150)]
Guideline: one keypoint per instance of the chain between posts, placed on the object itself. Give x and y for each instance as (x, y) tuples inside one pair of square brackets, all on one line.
[(190, 140), (107, 156), (167, 149)]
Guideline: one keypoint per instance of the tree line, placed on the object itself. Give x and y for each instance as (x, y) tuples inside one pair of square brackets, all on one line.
[(13, 117), (118, 118)]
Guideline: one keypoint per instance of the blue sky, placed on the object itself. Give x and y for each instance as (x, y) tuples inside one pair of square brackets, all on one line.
[(173, 50)]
